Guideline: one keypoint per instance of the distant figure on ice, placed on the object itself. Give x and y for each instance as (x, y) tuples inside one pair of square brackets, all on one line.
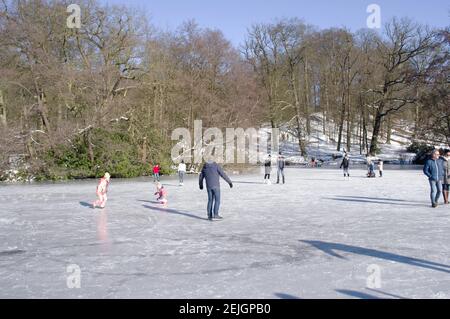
[(161, 192), (446, 186), (102, 190), (156, 173), (281, 164), (434, 170), (346, 165), (381, 168), (267, 169), (181, 172), (371, 168), (211, 172)]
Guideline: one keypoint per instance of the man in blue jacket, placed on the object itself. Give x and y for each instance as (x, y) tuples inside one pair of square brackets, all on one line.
[(212, 172), (434, 170)]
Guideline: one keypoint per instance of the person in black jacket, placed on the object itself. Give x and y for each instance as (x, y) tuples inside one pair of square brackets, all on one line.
[(267, 169), (281, 164), (211, 172), (346, 165)]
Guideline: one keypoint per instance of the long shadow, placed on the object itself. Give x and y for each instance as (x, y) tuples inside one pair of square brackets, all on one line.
[(173, 211), (387, 294), (12, 252), (150, 202), (356, 294), (286, 296), (367, 201), (170, 185), (382, 199), (87, 205), (332, 249), (254, 183)]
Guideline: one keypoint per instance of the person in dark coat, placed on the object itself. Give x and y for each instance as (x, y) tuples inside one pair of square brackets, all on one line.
[(434, 170), (346, 165), (446, 186), (211, 172), (281, 164), (267, 169)]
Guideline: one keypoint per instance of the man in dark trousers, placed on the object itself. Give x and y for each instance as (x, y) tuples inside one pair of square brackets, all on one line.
[(281, 164), (434, 170), (212, 172), (346, 165)]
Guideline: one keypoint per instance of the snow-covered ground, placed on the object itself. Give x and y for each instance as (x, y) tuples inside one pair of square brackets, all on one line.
[(315, 237), (324, 146)]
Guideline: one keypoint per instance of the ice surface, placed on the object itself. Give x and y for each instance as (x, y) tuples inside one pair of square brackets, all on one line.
[(314, 237)]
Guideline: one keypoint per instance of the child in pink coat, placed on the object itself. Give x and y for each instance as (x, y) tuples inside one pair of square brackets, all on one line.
[(102, 190), (161, 192)]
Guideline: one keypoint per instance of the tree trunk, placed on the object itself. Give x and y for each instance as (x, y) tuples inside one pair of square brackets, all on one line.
[(389, 130), (90, 148), (144, 150), (376, 132), (301, 143), (44, 113), (307, 99), (2, 110), (341, 123)]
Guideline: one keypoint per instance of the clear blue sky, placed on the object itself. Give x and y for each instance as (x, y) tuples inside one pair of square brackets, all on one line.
[(233, 17)]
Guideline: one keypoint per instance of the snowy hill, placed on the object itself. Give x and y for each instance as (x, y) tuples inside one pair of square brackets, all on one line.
[(324, 146)]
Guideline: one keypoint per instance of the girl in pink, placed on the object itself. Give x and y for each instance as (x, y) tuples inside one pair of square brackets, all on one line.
[(161, 192), (102, 190)]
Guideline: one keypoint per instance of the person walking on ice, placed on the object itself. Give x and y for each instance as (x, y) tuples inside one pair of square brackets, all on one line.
[(434, 170), (281, 164), (346, 165), (267, 169), (181, 172), (381, 168), (102, 190), (212, 172)]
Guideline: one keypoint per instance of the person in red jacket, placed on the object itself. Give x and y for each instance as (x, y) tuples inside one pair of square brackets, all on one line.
[(156, 173), (102, 190)]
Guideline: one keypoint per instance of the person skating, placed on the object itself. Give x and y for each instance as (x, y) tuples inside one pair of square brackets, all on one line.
[(381, 168), (281, 164), (211, 172), (102, 190), (371, 168), (161, 194), (346, 166), (267, 169), (181, 172), (446, 185), (156, 173), (434, 170)]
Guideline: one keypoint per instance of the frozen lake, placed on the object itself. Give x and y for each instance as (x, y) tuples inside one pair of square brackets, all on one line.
[(315, 237)]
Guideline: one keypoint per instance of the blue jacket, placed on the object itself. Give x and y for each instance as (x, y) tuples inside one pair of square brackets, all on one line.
[(281, 163), (212, 172), (434, 169)]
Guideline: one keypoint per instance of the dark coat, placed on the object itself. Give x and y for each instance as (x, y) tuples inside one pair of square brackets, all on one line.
[(211, 172), (281, 163), (345, 163)]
